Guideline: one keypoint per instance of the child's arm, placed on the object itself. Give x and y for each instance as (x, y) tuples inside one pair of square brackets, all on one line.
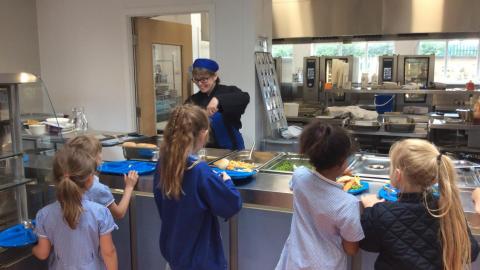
[(109, 254), (370, 200), (118, 211), (42, 249), (476, 199), (351, 248)]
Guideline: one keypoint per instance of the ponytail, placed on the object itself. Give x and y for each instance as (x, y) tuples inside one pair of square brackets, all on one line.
[(71, 171), (69, 195), (453, 225), (180, 135), (423, 166)]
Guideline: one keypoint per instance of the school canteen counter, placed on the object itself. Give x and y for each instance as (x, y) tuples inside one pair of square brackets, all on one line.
[(254, 238)]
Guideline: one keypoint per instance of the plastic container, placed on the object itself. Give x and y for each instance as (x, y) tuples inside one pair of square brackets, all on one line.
[(291, 109), (384, 103)]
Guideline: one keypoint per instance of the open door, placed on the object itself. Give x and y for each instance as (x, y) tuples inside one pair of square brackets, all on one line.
[(163, 53)]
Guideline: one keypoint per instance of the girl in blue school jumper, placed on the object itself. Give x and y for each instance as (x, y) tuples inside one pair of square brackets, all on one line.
[(99, 192), (326, 220), (75, 233), (190, 196)]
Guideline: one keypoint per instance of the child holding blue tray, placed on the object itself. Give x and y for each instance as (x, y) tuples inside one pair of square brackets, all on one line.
[(326, 220), (99, 192), (419, 230), (190, 196)]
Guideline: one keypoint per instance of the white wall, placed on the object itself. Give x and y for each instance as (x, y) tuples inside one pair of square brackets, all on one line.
[(19, 47), (86, 56)]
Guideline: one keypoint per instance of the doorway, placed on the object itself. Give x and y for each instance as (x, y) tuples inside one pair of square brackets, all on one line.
[(164, 49)]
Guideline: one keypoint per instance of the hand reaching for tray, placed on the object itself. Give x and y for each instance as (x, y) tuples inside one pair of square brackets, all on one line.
[(370, 200), (130, 179)]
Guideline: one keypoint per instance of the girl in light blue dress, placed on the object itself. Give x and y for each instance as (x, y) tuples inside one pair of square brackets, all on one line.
[(73, 232), (99, 192)]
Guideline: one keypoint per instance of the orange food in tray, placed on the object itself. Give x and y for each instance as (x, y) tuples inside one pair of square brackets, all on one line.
[(232, 165), (350, 182)]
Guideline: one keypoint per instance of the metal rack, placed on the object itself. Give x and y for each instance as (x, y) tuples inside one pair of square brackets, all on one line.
[(13, 196), (269, 87)]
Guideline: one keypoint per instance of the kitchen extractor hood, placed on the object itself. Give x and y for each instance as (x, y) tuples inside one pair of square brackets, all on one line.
[(335, 18)]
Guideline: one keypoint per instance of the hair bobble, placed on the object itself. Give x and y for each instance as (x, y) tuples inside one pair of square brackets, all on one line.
[(439, 158)]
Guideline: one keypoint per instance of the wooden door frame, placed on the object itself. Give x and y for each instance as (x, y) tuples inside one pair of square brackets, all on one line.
[(130, 69)]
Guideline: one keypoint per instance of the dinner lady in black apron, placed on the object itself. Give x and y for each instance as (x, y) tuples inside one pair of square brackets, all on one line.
[(224, 104)]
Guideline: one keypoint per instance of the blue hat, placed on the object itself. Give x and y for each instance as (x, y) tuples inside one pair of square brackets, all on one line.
[(205, 63)]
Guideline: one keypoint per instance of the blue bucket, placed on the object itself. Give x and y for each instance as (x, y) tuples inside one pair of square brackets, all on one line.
[(384, 103)]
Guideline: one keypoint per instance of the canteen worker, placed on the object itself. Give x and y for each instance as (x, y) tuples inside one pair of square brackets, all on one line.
[(224, 104)]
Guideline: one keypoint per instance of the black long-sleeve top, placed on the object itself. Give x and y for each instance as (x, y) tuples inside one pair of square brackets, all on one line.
[(405, 234), (231, 102)]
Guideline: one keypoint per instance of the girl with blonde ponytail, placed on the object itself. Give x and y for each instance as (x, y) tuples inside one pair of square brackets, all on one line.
[(75, 230), (421, 230), (190, 196)]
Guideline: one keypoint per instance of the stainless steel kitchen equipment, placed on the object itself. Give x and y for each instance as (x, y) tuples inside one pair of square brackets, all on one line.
[(270, 90), (13, 202), (286, 164), (417, 69), (259, 158), (376, 167), (318, 72), (212, 154), (311, 83), (387, 68)]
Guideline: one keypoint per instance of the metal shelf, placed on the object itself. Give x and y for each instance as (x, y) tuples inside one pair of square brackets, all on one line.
[(381, 132), (402, 91), (10, 182)]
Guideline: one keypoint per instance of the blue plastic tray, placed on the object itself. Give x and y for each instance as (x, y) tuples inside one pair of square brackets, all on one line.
[(235, 174), (364, 187), (393, 196), (388, 196), (17, 236), (123, 167)]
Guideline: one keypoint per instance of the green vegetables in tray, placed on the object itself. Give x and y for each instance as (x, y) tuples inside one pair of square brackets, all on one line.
[(289, 166)]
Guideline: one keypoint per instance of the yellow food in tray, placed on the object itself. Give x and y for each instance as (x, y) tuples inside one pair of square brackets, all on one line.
[(350, 182), (232, 165)]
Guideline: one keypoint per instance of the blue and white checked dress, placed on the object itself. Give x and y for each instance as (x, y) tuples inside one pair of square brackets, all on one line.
[(77, 249), (99, 193), (323, 215)]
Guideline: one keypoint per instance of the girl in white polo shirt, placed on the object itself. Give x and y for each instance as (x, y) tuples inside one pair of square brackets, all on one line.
[(326, 220)]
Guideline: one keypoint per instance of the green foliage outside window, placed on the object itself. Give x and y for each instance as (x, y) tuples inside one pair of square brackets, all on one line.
[(380, 48), (432, 47), (281, 50), (327, 49)]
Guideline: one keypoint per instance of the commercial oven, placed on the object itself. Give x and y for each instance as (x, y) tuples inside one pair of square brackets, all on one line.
[(318, 71), (387, 68), (416, 69)]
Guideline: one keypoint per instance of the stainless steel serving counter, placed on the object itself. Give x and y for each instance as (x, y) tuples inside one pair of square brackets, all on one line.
[(267, 204)]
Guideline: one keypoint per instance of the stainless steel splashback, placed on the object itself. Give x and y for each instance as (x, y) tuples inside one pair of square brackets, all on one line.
[(332, 18)]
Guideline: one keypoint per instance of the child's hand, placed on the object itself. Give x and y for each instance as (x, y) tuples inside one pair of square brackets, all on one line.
[(225, 176), (476, 199), (370, 200), (130, 179)]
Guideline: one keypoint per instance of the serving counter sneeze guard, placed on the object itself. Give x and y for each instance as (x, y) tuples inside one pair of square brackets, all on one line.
[(13, 197)]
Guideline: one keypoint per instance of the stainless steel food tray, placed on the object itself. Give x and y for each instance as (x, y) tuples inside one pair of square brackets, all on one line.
[(371, 166), (403, 128), (468, 177), (460, 163), (258, 158), (211, 155), (296, 159), (140, 153)]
